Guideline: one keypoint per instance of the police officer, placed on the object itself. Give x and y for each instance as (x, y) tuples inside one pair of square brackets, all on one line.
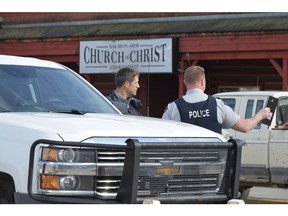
[(203, 110), (127, 84)]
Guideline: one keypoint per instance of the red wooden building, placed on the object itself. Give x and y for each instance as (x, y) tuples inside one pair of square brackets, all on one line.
[(238, 50)]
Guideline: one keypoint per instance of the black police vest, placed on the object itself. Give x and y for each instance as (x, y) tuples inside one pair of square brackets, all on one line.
[(203, 114)]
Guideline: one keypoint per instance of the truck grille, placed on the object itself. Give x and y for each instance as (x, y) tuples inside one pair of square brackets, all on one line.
[(167, 172)]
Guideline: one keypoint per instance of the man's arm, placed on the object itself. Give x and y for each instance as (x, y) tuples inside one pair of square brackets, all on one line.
[(171, 112), (245, 125)]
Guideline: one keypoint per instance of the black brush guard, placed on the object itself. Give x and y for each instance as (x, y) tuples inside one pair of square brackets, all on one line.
[(129, 184), (127, 193)]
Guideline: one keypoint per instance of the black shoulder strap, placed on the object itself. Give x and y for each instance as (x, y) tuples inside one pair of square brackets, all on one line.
[(137, 105)]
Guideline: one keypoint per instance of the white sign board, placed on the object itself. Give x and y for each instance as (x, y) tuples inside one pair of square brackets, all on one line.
[(108, 56)]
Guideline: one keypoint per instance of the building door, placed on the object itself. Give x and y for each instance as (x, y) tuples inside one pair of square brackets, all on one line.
[(161, 89)]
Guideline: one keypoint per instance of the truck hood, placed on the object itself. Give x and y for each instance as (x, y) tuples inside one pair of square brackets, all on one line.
[(71, 127)]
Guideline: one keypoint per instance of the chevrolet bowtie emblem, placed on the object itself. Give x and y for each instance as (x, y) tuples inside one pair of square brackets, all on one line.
[(167, 169)]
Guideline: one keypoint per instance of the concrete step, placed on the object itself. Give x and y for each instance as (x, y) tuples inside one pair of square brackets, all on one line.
[(271, 195)]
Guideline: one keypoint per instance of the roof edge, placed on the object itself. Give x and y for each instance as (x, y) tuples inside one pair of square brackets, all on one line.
[(145, 20)]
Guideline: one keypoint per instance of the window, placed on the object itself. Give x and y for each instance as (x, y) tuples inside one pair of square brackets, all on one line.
[(43, 89), (249, 110), (282, 113), (229, 102), (259, 106)]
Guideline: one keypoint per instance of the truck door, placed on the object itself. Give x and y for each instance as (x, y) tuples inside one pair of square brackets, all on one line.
[(278, 147), (255, 151)]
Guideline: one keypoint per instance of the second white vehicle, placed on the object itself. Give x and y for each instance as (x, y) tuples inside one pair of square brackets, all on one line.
[(265, 154)]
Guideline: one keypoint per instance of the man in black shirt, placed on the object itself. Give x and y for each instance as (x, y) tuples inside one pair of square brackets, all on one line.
[(127, 84)]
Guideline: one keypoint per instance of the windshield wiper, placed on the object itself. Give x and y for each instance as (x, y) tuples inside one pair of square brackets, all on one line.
[(5, 111), (72, 111)]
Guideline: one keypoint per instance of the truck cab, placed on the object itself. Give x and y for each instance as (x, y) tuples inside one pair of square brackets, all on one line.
[(265, 153)]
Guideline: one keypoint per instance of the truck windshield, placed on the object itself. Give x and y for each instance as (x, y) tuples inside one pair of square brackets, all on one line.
[(42, 89)]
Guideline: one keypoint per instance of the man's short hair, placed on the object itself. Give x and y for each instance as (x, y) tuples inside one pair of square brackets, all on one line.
[(125, 74), (194, 74)]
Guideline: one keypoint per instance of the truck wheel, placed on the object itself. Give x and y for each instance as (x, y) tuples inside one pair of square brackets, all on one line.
[(6, 197), (7, 189), (2, 198)]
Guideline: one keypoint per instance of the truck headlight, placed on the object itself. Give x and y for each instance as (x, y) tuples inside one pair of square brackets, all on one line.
[(68, 154), (68, 182), (53, 182), (66, 170)]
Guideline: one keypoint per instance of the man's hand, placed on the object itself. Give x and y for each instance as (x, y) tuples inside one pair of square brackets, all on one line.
[(265, 113)]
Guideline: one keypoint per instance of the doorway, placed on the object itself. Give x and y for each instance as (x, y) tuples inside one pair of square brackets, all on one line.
[(161, 90)]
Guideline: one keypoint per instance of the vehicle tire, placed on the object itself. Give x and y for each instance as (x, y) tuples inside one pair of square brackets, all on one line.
[(7, 189), (2, 198), (6, 197)]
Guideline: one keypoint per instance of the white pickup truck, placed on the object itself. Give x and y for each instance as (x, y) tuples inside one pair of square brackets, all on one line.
[(63, 142), (265, 153)]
